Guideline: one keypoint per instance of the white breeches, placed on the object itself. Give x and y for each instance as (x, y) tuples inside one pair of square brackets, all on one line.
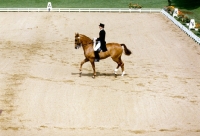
[(96, 46)]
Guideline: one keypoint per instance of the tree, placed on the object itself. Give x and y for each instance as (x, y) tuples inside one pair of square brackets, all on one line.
[(169, 2), (186, 4)]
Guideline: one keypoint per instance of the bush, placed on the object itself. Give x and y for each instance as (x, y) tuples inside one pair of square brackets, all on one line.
[(134, 5)]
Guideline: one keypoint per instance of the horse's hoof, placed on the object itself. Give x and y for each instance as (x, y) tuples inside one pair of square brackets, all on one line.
[(93, 77), (80, 74), (123, 73), (115, 75)]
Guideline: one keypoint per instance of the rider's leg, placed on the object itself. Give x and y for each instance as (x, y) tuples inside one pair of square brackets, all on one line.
[(96, 56)]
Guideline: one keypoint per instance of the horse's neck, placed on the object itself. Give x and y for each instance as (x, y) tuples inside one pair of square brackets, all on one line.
[(86, 40)]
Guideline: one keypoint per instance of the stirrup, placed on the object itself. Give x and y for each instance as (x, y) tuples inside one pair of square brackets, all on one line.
[(96, 60)]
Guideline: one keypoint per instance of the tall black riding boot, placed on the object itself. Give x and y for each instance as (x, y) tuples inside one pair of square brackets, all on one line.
[(96, 56)]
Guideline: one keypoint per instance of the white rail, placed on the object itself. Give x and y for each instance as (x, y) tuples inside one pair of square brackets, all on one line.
[(182, 27), (142, 10)]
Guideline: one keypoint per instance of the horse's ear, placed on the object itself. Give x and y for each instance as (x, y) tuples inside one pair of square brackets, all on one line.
[(76, 34)]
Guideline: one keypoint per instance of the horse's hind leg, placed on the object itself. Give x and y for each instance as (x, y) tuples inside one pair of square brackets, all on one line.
[(84, 61), (122, 67), (120, 63), (116, 69)]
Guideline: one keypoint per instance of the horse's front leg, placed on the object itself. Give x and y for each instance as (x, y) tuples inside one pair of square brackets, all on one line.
[(84, 61), (93, 67)]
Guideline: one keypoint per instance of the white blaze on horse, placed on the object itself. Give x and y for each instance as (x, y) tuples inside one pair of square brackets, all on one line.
[(114, 50)]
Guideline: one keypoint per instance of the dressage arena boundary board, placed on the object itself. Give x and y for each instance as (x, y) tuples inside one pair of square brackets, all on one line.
[(142, 10)]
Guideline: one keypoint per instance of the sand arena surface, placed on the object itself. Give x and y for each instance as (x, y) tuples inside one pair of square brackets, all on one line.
[(42, 94)]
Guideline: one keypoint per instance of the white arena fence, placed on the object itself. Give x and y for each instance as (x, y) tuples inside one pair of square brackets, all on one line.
[(182, 27), (148, 10)]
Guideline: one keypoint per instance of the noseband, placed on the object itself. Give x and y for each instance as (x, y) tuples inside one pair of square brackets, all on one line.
[(77, 43)]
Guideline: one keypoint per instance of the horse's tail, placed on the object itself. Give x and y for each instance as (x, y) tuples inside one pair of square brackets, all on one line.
[(126, 50)]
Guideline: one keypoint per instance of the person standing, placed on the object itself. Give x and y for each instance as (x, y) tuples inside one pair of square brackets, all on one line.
[(102, 36)]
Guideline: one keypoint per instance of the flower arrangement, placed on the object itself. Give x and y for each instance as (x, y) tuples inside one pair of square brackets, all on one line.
[(134, 5), (185, 19), (197, 25), (181, 14), (169, 9)]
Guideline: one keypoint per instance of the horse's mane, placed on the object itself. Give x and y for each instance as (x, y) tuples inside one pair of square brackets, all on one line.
[(86, 37)]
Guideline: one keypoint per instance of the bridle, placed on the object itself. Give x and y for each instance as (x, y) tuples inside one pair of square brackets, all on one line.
[(77, 42)]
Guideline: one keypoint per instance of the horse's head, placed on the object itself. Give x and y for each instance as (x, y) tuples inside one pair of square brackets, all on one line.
[(77, 41), (82, 40)]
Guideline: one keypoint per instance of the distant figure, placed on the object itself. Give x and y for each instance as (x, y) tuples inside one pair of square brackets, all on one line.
[(49, 6), (101, 39)]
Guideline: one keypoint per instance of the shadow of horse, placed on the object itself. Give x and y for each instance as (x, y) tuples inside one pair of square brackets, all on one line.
[(98, 73)]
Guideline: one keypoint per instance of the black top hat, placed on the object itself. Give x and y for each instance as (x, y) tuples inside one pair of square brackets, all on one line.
[(101, 25)]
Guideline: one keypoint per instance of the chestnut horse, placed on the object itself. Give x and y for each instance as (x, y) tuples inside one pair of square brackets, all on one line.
[(114, 50)]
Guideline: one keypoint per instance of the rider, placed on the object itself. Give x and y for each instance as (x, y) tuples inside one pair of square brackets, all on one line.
[(102, 35)]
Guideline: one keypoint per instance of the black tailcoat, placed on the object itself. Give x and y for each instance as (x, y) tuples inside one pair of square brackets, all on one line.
[(102, 35)]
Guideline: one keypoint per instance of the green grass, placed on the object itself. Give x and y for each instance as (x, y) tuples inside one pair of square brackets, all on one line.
[(81, 3)]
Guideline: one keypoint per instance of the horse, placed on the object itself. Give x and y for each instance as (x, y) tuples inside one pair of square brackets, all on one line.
[(114, 50)]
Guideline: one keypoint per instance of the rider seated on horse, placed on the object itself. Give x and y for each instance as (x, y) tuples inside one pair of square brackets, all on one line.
[(101, 39)]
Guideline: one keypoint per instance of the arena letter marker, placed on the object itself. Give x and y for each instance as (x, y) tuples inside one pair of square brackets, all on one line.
[(175, 14), (192, 24), (49, 6)]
